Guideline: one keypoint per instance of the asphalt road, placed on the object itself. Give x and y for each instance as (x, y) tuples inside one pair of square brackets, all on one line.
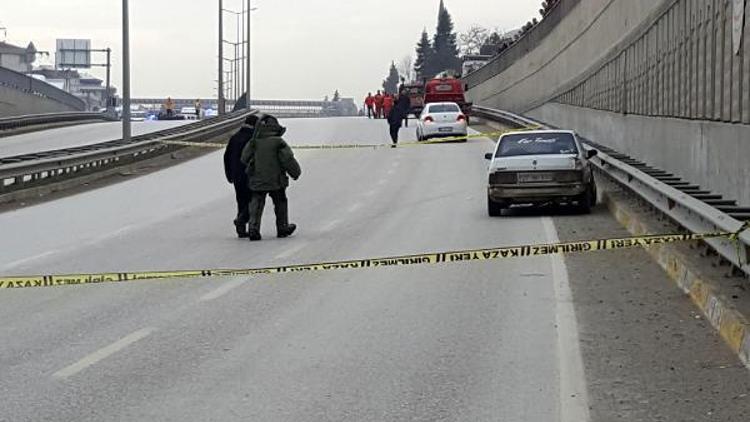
[(72, 136), (477, 342)]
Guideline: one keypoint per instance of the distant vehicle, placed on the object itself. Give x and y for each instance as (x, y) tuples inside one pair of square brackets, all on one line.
[(188, 113), (540, 167), (447, 89), (138, 116), (416, 98), (440, 120)]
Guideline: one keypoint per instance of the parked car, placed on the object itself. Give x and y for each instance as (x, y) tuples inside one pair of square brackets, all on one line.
[(441, 120), (540, 167)]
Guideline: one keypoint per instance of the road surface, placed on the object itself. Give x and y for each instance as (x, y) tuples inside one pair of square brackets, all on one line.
[(71, 136), (537, 339)]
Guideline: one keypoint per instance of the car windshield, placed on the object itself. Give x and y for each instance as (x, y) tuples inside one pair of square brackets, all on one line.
[(444, 108), (537, 144)]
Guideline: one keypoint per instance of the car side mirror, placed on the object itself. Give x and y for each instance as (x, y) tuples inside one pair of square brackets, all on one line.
[(591, 153), (488, 156)]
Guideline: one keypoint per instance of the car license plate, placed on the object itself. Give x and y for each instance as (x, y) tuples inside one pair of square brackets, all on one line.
[(535, 177), (445, 129)]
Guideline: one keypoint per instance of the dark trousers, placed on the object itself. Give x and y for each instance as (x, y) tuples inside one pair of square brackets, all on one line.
[(242, 193), (280, 204), (406, 121), (394, 132), (370, 112)]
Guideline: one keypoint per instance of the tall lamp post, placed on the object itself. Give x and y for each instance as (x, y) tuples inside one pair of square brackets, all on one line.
[(222, 105), (126, 130)]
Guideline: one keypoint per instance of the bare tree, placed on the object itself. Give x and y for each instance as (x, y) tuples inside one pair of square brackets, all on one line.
[(406, 68), (473, 39)]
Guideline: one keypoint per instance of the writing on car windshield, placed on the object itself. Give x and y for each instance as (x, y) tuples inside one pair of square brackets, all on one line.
[(537, 144)]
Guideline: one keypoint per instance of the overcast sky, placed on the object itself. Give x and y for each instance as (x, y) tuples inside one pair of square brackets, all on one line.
[(302, 49)]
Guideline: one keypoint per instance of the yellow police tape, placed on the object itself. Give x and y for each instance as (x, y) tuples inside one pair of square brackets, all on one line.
[(350, 146), (536, 250)]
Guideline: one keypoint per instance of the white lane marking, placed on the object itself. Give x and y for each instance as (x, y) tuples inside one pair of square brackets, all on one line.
[(328, 227), (381, 182), (391, 171), (370, 192), (291, 251), (20, 262), (103, 353), (354, 208), (573, 400), (221, 291)]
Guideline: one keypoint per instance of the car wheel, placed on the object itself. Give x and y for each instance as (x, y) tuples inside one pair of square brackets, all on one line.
[(495, 209), (586, 201)]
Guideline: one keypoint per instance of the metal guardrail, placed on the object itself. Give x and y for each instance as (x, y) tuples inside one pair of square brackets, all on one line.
[(694, 209), (21, 82), (32, 170), (18, 122)]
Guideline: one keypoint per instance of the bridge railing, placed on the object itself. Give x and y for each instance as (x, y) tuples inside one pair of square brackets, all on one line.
[(26, 84)]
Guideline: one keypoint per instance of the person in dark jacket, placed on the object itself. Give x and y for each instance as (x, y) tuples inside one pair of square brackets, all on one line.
[(235, 172), (397, 116), (269, 162)]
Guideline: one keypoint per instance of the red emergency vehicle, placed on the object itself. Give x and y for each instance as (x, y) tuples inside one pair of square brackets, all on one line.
[(446, 89)]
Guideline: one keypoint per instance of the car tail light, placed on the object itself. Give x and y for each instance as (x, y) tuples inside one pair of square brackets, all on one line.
[(428, 119), (503, 178), (461, 118)]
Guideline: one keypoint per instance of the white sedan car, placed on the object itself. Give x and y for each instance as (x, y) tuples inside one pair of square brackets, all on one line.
[(441, 120), (540, 167)]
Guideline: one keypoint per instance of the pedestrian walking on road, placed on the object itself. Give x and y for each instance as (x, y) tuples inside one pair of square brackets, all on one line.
[(403, 104), (370, 105), (397, 116), (235, 172), (378, 105), (198, 108), (269, 162)]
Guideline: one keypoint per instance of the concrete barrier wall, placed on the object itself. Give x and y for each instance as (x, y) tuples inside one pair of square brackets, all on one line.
[(654, 58), (16, 103), (583, 37), (714, 155)]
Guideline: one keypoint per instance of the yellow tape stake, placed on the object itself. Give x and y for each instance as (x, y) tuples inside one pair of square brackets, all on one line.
[(363, 264)]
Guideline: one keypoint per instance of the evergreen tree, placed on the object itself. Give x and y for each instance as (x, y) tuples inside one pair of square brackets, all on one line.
[(336, 96), (445, 44), (390, 84), (425, 56)]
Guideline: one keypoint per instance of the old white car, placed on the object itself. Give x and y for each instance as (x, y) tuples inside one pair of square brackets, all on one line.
[(540, 167)]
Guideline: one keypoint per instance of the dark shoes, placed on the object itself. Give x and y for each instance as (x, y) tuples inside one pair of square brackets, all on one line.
[(254, 235), (241, 229), (286, 231), (282, 233)]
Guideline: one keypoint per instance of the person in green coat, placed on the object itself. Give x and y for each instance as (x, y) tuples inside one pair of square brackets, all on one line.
[(269, 163)]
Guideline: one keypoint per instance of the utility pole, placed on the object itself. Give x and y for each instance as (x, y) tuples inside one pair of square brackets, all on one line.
[(109, 78), (222, 105), (248, 81), (126, 132)]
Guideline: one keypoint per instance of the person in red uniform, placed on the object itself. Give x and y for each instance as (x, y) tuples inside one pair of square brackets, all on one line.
[(370, 104), (387, 105), (378, 105)]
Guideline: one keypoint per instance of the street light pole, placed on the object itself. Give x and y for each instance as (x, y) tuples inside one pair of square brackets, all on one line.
[(248, 81), (126, 132), (222, 106)]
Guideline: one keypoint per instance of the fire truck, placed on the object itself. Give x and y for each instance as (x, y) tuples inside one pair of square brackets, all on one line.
[(443, 88)]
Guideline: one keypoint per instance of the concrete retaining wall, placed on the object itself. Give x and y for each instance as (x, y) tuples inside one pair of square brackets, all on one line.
[(712, 154), (581, 39), (15, 103), (572, 58)]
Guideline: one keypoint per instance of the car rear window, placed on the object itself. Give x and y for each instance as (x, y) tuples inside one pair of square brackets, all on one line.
[(537, 144), (444, 108)]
